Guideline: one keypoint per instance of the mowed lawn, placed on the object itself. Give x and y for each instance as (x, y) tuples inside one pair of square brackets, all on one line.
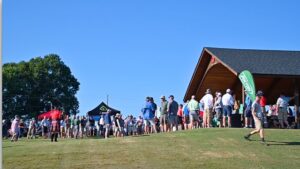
[(201, 148)]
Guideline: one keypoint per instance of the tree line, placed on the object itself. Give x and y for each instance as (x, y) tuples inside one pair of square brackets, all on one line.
[(30, 88)]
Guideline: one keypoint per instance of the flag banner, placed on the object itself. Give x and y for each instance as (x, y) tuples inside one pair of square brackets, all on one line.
[(248, 83)]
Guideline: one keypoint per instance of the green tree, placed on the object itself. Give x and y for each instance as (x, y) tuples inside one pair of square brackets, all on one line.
[(29, 88)]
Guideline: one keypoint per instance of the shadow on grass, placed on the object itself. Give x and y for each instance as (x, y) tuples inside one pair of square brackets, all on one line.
[(97, 137), (280, 143), (11, 146), (283, 143)]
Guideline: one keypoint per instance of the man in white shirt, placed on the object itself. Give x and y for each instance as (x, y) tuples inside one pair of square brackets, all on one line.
[(207, 101), (228, 102)]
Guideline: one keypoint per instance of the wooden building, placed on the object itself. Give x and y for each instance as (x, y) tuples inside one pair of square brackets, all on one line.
[(274, 71)]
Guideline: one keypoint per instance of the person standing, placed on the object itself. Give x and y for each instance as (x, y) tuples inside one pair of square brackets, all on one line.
[(218, 108), (68, 126), (153, 125), (107, 121), (194, 108), (72, 124), (31, 129), (15, 128), (228, 102), (207, 100), (54, 128), (76, 127), (186, 118), (45, 127), (101, 125), (164, 114), (247, 112), (62, 129), (148, 113), (172, 112), (282, 109), (257, 116), (92, 126), (179, 116)]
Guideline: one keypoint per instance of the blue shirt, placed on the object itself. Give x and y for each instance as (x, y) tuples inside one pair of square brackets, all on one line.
[(107, 119), (248, 102), (148, 111), (186, 110)]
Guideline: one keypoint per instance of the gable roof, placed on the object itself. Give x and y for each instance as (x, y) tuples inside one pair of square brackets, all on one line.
[(266, 62), (102, 107)]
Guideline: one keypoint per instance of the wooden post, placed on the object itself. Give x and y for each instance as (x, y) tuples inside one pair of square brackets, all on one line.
[(296, 94)]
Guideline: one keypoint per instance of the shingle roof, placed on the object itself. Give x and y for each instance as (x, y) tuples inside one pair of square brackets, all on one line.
[(271, 62)]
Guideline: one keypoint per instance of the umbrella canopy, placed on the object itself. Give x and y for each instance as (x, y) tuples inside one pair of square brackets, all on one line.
[(53, 114)]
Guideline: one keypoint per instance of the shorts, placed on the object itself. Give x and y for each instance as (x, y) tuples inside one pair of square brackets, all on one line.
[(208, 113), (248, 113), (172, 120), (163, 119), (257, 123), (218, 114), (282, 114), (194, 116), (149, 122), (187, 119), (107, 126), (227, 111), (179, 120)]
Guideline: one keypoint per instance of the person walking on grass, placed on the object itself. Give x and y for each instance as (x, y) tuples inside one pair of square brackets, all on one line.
[(257, 116), (15, 128), (208, 102)]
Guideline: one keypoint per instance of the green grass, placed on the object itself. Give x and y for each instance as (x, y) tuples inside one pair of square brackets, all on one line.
[(202, 148)]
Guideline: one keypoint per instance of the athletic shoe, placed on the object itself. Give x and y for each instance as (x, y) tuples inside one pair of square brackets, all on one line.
[(247, 137)]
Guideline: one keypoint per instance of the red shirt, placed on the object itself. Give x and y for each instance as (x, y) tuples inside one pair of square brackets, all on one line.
[(180, 112), (263, 101)]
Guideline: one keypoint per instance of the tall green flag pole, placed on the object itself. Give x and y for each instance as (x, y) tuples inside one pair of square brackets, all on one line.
[(248, 83)]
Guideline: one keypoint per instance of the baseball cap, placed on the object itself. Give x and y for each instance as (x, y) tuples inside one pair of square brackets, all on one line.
[(228, 91), (259, 93), (171, 96), (162, 97)]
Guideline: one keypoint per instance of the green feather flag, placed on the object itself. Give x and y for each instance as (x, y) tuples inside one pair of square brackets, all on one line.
[(248, 83)]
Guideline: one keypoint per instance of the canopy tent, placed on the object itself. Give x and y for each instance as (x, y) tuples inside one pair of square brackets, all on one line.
[(102, 107), (52, 114)]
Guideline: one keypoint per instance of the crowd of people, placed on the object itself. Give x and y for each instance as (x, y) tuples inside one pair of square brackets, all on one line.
[(169, 115)]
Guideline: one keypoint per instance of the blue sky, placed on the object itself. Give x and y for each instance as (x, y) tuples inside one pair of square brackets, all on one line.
[(133, 49)]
